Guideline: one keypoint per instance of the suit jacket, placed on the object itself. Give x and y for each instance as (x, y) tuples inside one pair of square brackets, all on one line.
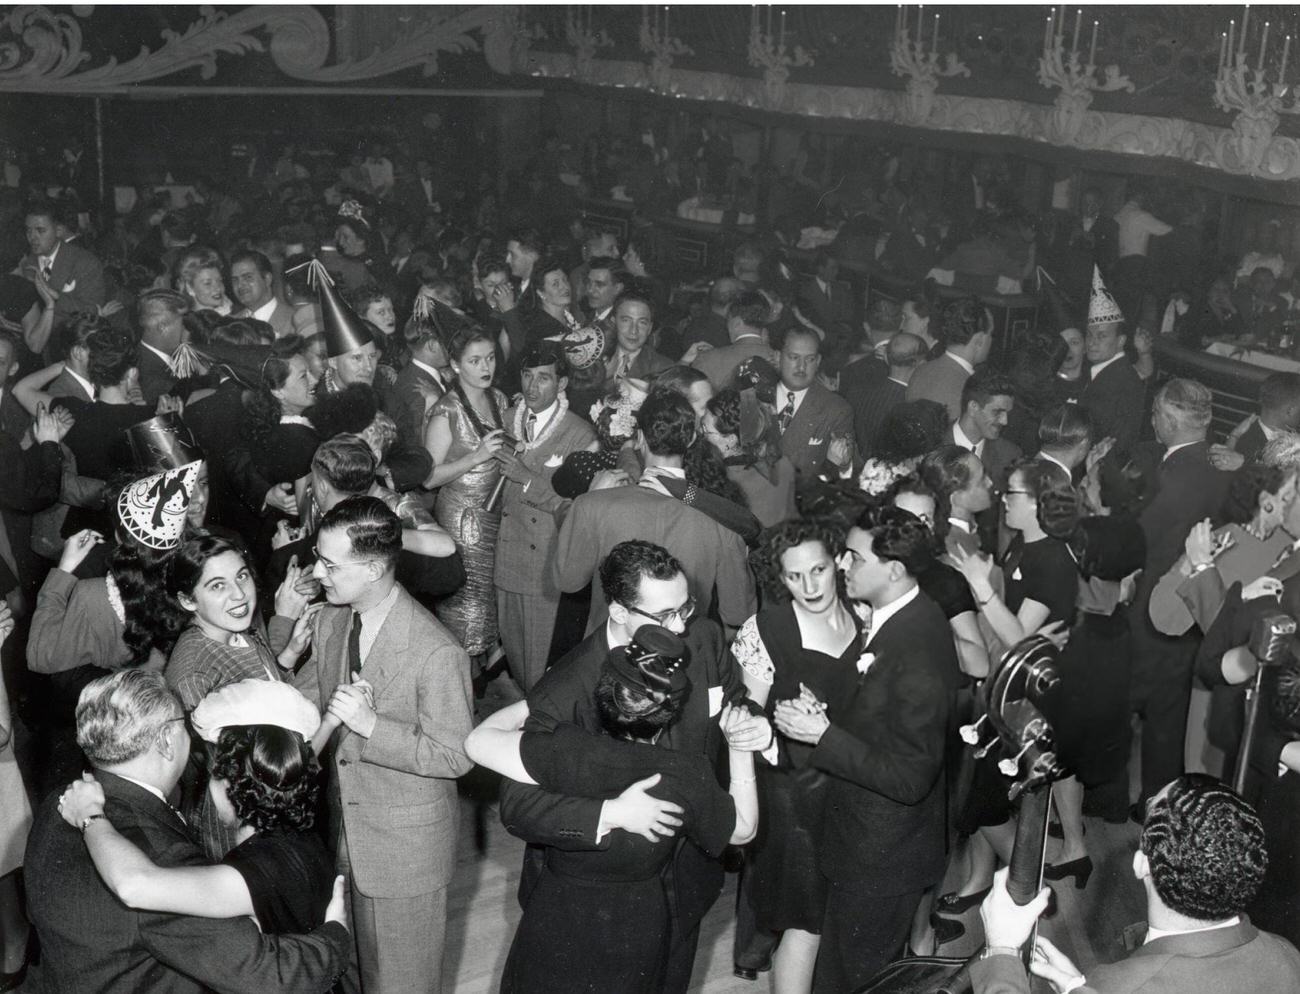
[(567, 693), (1238, 958), (93, 944), (1115, 401), (885, 806), (714, 558), (706, 327), (14, 419), (831, 310), (1252, 441), (525, 556), (940, 380), (720, 365), (997, 455), (407, 404), (397, 788), (77, 276), (820, 417), (647, 363), (872, 396), (30, 482), (156, 377), (1189, 489), (281, 318), (64, 385)]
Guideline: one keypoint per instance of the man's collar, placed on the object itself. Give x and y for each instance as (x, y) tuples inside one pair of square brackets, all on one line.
[(431, 370), (604, 314), (895, 379), (961, 524), (374, 616), (146, 786), (961, 361), (81, 380), (1044, 454), (51, 257), (1181, 445), (880, 615), (610, 640), (962, 439), (159, 353), (264, 312), (1155, 933), (1092, 373), (543, 416)]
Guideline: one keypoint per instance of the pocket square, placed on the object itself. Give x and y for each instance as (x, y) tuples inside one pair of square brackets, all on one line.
[(555, 461), (816, 441), (69, 287)]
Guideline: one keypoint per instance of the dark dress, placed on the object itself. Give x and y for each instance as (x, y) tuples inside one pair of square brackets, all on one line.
[(1042, 571), (787, 890), (98, 442), (598, 921), (290, 877)]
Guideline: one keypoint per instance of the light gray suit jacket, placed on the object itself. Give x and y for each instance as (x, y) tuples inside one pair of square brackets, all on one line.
[(281, 318), (939, 380), (398, 787), (526, 543)]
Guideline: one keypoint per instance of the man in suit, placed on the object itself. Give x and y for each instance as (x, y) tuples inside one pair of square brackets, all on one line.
[(747, 318), (74, 380), (633, 325), (1279, 412), (1200, 860), (811, 418), (253, 280), (912, 248), (161, 334), (1262, 308), (714, 558), (986, 400), (884, 834), (399, 683), (1064, 441), (647, 586), (710, 325), (1188, 489), (421, 382), (69, 274), (132, 730), (872, 396), (828, 303), (600, 244), (968, 336), (1114, 395), (527, 597), (603, 283)]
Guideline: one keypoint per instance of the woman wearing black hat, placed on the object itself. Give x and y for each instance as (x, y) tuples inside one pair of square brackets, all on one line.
[(598, 921)]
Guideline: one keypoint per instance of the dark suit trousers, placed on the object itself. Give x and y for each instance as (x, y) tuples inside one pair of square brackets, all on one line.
[(1160, 694), (862, 933)]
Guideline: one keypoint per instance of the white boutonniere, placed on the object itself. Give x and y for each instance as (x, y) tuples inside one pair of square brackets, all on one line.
[(554, 461), (816, 441), (864, 662), (1016, 574), (69, 287)]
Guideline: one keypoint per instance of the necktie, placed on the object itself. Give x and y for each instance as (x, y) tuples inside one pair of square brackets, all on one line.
[(787, 413), (354, 645), (531, 427), (47, 267), (623, 364)]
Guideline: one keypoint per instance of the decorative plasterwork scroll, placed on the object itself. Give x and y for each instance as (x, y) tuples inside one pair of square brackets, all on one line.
[(43, 51), (1098, 131)]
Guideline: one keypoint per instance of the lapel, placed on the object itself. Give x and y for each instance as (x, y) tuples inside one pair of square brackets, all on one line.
[(389, 649), (333, 666), (1212, 942)]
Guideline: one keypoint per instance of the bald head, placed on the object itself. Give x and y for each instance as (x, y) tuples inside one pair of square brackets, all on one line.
[(723, 292), (904, 353)]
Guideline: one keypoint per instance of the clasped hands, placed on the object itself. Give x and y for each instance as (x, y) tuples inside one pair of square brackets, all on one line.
[(744, 732), (353, 704), (802, 718)]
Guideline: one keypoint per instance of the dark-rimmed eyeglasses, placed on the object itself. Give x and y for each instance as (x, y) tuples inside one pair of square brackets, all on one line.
[(664, 618)]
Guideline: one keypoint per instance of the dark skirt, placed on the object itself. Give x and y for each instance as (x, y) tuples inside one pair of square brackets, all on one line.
[(787, 889)]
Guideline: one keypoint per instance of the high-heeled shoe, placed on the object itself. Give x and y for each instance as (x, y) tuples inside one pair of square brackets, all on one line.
[(1080, 869), (956, 904)]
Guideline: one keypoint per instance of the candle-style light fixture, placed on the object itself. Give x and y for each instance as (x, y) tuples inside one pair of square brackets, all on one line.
[(909, 57), (1077, 80), (767, 51), (1256, 96), (581, 34), (657, 42)]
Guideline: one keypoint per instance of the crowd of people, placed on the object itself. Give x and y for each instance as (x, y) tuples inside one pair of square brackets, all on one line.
[(291, 481)]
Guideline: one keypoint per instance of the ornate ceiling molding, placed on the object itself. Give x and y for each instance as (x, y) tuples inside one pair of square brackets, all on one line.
[(45, 52), (1203, 145)]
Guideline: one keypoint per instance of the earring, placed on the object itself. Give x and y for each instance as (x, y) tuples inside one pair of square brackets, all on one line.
[(1268, 507)]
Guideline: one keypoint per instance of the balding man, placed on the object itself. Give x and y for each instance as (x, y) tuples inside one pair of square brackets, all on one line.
[(710, 327), (161, 334), (747, 317), (873, 397)]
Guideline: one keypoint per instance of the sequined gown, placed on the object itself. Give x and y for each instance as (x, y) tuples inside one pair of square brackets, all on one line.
[(470, 613)]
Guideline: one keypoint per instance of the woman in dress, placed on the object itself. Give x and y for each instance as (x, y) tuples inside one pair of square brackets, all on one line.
[(741, 430), (554, 313), (598, 922), (264, 782), (354, 263), (807, 641), (466, 429)]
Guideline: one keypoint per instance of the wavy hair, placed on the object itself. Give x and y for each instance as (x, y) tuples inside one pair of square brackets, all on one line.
[(271, 774), (765, 559), (262, 407)]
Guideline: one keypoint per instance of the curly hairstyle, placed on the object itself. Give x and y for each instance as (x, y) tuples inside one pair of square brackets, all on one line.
[(271, 775), (912, 429), (765, 558), (622, 569), (262, 406), (667, 421), (1206, 848), (1054, 500), (898, 536), (1245, 489), (112, 353), (185, 565)]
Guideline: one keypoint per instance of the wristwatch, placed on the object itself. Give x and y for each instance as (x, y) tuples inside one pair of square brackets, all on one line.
[(85, 822)]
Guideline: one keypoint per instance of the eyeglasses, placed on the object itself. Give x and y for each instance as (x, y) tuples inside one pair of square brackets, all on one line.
[(682, 614), (332, 568)]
